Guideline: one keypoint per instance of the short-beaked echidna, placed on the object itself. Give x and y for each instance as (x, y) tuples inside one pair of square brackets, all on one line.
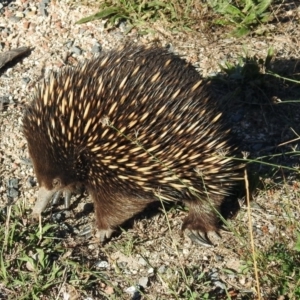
[(134, 125)]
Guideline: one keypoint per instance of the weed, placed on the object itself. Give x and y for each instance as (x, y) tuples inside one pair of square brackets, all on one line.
[(137, 14), (243, 14), (31, 265), (248, 68), (283, 270)]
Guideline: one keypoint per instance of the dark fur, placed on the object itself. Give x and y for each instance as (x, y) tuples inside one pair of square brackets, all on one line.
[(116, 168)]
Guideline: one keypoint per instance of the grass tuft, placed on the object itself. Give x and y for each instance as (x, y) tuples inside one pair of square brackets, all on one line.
[(244, 15), (138, 14)]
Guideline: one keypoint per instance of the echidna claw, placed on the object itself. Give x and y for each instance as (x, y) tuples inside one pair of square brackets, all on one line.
[(56, 197), (200, 238), (104, 234), (101, 234), (67, 198)]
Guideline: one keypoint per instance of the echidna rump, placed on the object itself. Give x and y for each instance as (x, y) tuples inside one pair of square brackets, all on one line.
[(134, 125)]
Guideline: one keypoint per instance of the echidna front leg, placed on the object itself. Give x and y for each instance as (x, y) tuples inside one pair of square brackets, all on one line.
[(112, 210), (201, 220)]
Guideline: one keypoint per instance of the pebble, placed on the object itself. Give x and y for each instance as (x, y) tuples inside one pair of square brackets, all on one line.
[(69, 44), (19, 15), (76, 50), (102, 264), (30, 13), (131, 290), (30, 182), (15, 19), (142, 262), (26, 80), (44, 8), (143, 281), (43, 11), (13, 183), (13, 188), (134, 291), (96, 48), (161, 269)]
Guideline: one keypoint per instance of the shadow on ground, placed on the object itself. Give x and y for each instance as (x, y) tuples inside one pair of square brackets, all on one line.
[(263, 111)]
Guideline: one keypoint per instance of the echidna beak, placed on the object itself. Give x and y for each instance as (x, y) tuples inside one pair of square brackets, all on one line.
[(44, 196)]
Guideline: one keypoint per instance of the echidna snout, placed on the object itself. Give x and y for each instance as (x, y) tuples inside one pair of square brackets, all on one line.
[(134, 125)]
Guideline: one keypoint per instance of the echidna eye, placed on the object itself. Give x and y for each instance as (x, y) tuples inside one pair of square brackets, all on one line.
[(56, 182)]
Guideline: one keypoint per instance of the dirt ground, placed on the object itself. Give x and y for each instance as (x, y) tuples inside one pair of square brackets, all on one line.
[(146, 253)]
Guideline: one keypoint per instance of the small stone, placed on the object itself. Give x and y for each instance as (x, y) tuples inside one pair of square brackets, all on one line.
[(76, 50), (96, 48), (220, 284), (30, 182), (109, 290), (12, 193), (30, 13), (26, 80), (143, 281), (142, 262), (102, 264), (19, 14), (26, 24), (131, 290), (161, 269), (14, 19), (13, 183), (69, 44), (43, 10)]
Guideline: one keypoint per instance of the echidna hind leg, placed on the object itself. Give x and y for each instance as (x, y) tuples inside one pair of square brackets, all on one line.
[(201, 220)]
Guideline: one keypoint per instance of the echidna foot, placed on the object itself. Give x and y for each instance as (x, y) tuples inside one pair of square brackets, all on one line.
[(200, 227), (101, 234), (104, 234), (200, 238)]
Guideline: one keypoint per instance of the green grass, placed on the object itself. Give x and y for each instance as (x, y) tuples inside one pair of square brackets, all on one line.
[(138, 14), (245, 16), (248, 68), (34, 263)]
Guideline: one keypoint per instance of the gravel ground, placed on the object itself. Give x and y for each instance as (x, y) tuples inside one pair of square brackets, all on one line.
[(48, 29)]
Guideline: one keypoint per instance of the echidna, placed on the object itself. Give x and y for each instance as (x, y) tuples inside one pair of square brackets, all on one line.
[(134, 125)]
